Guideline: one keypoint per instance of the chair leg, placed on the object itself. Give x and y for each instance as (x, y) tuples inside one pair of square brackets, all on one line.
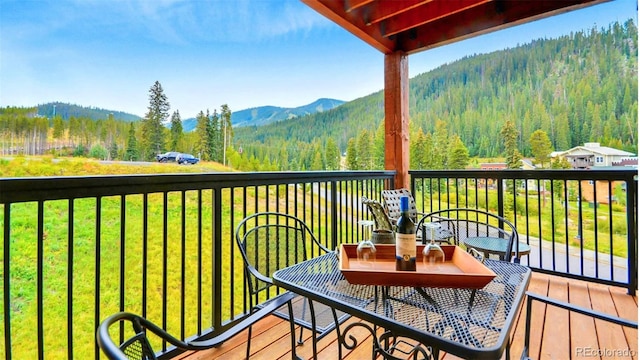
[(249, 343), (314, 335), (292, 326), (304, 310)]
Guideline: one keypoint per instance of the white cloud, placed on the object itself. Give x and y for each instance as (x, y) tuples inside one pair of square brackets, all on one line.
[(181, 22)]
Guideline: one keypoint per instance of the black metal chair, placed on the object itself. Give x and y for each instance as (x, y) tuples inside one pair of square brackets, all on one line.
[(391, 199), (138, 347), (486, 232), (570, 307), (270, 241)]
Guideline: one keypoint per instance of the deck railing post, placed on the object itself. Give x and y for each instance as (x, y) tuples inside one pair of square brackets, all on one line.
[(632, 251)]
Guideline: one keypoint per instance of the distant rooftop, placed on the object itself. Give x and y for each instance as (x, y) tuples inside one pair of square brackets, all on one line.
[(593, 147)]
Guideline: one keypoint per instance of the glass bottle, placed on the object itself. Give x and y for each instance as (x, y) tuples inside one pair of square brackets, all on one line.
[(405, 239)]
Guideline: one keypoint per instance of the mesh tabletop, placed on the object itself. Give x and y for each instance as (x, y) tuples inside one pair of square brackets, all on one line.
[(465, 322), (492, 245)]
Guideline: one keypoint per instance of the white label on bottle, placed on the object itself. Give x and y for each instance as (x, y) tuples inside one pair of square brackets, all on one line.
[(406, 245)]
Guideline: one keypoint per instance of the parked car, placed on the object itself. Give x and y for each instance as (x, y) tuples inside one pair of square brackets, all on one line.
[(168, 156), (187, 159)]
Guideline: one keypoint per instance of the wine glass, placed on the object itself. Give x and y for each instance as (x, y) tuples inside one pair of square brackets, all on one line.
[(367, 226), (366, 250), (432, 254)]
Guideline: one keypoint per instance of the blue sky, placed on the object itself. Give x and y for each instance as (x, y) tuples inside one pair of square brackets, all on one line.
[(205, 53)]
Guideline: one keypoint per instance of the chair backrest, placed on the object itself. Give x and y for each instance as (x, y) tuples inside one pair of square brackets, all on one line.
[(391, 200), (446, 231), (136, 346), (468, 223), (379, 215), (270, 241)]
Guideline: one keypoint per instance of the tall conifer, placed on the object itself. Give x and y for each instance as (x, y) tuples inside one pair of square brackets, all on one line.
[(152, 128), (176, 130)]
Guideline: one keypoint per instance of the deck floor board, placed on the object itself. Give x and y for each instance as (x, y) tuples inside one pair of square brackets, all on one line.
[(556, 333)]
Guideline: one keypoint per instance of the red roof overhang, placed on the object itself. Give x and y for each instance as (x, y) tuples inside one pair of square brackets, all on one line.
[(416, 25)]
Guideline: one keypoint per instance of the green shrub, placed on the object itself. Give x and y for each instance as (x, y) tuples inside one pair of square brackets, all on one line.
[(80, 150), (98, 152)]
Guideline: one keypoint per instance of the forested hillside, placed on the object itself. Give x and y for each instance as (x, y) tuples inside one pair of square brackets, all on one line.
[(268, 114), (578, 88), (67, 111), (263, 115)]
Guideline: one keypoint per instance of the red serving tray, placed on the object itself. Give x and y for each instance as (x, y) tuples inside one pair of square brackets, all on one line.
[(459, 270)]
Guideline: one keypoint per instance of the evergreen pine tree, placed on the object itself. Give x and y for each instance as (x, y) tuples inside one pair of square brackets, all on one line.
[(202, 123), (226, 130), (152, 129), (364, 150), (378, 147), (458, 156), (510, 139), (332, 155), (213, 137), (540, 146), (427, 159), (417, 151), (58, 128), (176, 130), (283, 159), (317, 163), (113, 151), (131, 153), (440, 144), (352, 159)]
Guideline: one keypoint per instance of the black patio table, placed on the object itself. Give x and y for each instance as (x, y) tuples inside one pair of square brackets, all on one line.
[(469, 323)]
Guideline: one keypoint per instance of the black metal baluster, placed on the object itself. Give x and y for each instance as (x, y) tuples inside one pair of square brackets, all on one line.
[(183, 261), (217, 257), (70, 257), (40, 279), (595, 228), (123, 216), (165, 254), (145, 250), (566, 224), (199, 265), (611, 231), (231, 253), (6, 279), (97, 271), (553, 226), (580, 233)]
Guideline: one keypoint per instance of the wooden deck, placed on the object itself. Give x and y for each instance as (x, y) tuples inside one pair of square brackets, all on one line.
[(555, 333)]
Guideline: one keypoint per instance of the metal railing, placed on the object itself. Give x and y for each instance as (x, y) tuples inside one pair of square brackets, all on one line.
[(77, 249), (579, 223)]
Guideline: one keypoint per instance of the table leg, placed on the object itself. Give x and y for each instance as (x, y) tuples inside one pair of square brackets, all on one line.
[(392, 345)]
